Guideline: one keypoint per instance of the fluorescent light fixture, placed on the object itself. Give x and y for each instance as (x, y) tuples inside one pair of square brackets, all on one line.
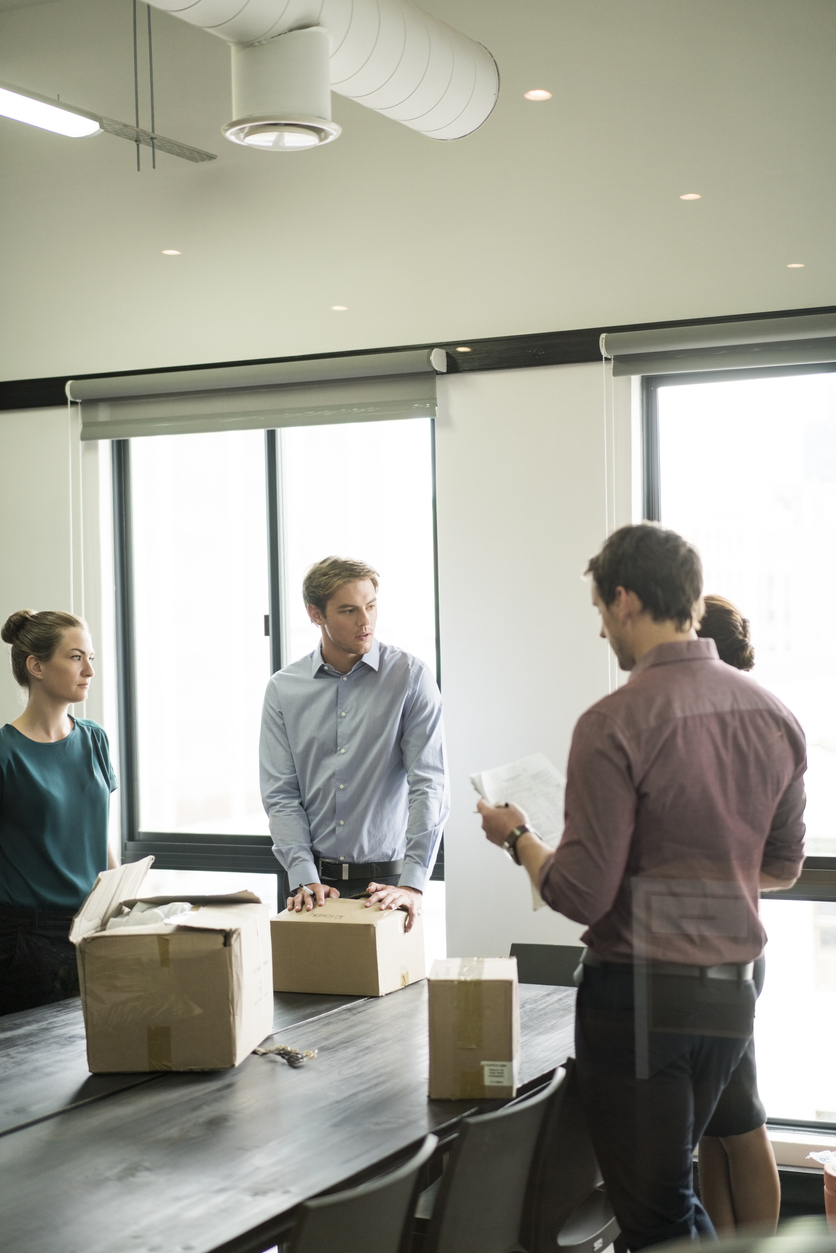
[(538, 93), (38, 111), (691, 195), (795, 265)]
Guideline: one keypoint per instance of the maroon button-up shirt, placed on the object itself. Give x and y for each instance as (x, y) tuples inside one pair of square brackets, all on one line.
[(681, 787)]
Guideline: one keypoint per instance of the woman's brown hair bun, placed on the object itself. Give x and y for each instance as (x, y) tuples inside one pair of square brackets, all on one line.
[(14, 624), (33, 634), (724, 623)]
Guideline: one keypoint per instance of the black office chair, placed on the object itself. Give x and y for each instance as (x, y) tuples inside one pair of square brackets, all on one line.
[(565, 1201), (479, 1199), (375, 1215), (547, 963)]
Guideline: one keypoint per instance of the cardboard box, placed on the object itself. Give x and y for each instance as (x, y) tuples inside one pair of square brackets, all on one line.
[(344, 948), (474, 1008), (194, 994)]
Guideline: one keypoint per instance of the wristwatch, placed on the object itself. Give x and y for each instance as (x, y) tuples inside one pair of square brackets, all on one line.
[(510, 842)]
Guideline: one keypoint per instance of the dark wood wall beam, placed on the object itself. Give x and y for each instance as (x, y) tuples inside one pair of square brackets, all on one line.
[(504, 352)]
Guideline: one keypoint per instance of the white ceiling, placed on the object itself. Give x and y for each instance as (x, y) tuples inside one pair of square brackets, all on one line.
[(552, 216)]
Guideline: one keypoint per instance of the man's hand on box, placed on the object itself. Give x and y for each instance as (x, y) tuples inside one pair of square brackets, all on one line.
[(317, 894), (498, 821), (391, 897)]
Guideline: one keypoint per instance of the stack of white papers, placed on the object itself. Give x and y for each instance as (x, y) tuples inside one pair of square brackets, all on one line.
[(536, 786)]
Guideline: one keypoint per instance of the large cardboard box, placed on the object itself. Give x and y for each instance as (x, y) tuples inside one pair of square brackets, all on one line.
[(194, 994), (344, 948), (474, 1008)]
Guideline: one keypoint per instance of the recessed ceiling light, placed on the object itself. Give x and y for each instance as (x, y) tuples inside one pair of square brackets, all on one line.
[(538, 93), (339, 308), (171, 252), (691, 195), (796, 265), (463, 349)]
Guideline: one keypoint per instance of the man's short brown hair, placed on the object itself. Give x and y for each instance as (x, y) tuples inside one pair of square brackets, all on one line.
[(324, 577), (661, 567)]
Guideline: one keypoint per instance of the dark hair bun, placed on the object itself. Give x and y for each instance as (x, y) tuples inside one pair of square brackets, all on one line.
[(14, 624)]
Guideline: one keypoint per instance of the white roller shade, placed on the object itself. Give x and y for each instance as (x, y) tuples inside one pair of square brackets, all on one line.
[(374, 387), (806, 339)]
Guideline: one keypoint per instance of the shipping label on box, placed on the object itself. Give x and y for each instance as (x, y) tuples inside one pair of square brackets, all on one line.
[(343, 948), (194, 993), (474, 1028)]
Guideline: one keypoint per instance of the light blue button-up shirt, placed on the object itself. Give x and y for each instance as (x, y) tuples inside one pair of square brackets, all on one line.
[(353, 766)]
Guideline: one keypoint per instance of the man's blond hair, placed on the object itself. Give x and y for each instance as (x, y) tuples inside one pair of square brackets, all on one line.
[(324, 577)]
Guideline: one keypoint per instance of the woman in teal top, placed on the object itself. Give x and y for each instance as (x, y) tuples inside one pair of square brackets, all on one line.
[(55, 785)]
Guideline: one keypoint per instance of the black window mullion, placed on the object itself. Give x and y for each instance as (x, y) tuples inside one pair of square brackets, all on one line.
[(652, 476), (125, 650), (274, 551)]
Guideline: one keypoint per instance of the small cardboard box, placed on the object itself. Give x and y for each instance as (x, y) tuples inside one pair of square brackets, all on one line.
[(344, 948), (474, 1006), (193, 994)]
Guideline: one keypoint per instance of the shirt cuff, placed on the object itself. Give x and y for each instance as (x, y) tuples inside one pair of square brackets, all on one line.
[(301, 870), (782, 870), (413, 876)]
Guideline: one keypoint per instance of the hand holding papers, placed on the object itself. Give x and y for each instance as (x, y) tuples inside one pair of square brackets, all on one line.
[(536, 786)]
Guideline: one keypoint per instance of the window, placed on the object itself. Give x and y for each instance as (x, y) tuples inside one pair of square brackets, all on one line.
[(745, 466), (213, 532)]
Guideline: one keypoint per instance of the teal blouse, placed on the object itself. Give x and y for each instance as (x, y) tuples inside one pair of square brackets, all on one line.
[(54, 805)]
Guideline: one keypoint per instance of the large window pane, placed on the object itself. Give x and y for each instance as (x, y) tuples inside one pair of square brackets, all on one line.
[(748, 472), (362, 490), (202, 659), (796, 1011)]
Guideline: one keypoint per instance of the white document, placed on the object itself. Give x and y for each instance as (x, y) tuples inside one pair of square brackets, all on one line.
[(536, 786)]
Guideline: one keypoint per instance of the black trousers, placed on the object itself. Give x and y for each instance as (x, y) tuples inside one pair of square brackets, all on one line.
[(346, 887), (645, 1130), (37, 960)]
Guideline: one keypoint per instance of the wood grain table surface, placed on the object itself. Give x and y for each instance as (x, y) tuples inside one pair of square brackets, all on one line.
[(43, 1060), (194, 1163)]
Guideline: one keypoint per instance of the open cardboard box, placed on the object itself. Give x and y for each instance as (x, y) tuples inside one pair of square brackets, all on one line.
[(343, 948), (192, 994)]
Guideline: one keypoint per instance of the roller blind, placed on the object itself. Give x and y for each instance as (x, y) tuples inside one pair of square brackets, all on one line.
[(368, 388), (806, 339)]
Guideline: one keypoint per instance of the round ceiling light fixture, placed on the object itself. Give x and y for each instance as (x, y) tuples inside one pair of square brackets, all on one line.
[(339, 308), (171, 252), (691, 195), (538, 93), (277, 135), (462, 348), (795, 265)]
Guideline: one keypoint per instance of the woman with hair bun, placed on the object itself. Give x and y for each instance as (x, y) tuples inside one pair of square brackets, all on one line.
[(55, 785), (739, 1183)]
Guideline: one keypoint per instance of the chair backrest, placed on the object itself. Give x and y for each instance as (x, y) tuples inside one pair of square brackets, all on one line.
[(564, 1176), (547, 963), (376, 1215), (479, 1204)]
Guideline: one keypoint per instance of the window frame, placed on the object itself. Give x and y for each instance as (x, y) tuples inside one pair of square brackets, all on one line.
[(817, 881), (178, 851)]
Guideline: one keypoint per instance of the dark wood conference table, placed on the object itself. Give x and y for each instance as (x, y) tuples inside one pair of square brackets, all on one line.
[(216, 1162)]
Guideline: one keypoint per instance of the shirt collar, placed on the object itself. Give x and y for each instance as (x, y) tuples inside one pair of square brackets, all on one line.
[(678, 650), (371, 659)]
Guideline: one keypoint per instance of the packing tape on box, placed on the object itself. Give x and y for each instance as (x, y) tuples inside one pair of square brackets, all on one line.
[(470, 1085), (159, 1048), (164, 949), (469, 1007)]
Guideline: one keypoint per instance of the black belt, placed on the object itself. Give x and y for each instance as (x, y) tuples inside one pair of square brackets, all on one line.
[(12, 916), (328, 868), (741, 971)]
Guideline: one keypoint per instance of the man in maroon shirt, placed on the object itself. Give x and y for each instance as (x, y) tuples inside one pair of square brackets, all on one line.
[(684, 800)]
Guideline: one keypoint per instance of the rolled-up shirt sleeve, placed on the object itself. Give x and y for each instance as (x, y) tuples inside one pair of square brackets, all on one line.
[(783, 853), (582, 877), (425, 761), (282, 797)]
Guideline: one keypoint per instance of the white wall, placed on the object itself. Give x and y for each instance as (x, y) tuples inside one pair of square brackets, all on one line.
[(523, 503)]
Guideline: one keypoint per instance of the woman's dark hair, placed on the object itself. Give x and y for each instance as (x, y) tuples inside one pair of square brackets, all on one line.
[(33, 634), (661, 567), (724, 623)]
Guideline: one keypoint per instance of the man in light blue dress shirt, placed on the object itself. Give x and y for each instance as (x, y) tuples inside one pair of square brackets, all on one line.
[(353, 764)]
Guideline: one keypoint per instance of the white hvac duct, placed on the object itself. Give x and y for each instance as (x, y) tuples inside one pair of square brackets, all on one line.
[(386, 54)]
